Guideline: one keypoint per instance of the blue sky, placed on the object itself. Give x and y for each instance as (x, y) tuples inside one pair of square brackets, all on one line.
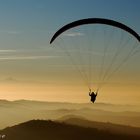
[(50, 14), (31, 18), (26, 27)]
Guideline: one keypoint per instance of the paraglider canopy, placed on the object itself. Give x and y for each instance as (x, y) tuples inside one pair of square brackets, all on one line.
[(83, 47), (95, 21)]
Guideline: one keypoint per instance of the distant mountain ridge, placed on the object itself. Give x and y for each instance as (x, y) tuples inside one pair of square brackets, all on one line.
[(24, 110)]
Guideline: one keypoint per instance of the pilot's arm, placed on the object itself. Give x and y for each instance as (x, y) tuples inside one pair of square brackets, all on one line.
[(89, 92)]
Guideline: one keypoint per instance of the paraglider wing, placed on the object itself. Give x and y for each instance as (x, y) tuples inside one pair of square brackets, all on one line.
[(95, 21), (112, 51)]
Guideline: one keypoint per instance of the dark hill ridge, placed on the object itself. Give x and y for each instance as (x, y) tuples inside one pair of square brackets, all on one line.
[(113, 128), (49, 130)]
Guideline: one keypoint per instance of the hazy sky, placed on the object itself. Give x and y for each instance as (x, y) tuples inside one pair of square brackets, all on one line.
[(31, 69)]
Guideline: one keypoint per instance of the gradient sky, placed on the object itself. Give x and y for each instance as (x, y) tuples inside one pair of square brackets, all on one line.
[(30, 68)]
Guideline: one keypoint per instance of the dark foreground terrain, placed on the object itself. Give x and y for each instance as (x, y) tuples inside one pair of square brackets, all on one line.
[(49, 130)]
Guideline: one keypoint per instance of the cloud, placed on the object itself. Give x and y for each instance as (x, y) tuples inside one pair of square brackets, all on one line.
[(24, 54), (25, 57), (74, 34), (10, 79), (8, 51), (10, 32)]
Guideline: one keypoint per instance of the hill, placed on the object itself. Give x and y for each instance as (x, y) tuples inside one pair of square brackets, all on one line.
[(24, 110), (40, 129), (110, 127)]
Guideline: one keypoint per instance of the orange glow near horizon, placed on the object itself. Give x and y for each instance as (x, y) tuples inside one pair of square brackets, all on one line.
[(77, 94)]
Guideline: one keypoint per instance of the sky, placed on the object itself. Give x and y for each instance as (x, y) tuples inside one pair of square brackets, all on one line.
[(31, 69)]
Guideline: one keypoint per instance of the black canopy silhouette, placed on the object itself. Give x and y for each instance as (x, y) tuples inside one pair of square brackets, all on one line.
[(95, 21)]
